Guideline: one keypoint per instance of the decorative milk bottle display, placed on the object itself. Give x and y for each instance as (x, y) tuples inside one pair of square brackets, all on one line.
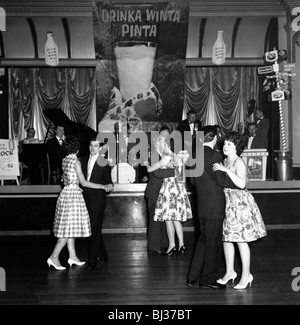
[(219, 50), (51, 51)]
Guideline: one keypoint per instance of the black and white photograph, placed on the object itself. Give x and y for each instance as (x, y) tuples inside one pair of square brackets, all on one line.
[(149, 158)]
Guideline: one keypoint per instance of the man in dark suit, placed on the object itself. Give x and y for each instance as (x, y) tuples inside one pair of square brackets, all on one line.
[(56, 154), (211, 213), (263, 125), (157, 234), (255, 141), (96, 201), (191, 124)]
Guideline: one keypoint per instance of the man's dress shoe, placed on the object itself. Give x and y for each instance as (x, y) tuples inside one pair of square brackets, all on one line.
[(190, 283), (102, 259), (91, 266), (154, 252), (214, 285)]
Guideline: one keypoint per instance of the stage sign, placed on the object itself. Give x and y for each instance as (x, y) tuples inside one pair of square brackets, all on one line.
[(140, 50), (9, 161), (256, 161), (265, 70)]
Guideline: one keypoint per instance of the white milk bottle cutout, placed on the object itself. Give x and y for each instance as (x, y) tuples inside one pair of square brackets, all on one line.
[(51, 51), (219, 50)]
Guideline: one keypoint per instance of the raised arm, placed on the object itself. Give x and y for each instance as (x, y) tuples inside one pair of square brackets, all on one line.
[(83, 181), (160, 164), (238, 176), (220, 177)]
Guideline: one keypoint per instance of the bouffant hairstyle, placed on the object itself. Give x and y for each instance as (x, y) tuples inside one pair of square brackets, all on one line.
[(71, 145), (237, 140)]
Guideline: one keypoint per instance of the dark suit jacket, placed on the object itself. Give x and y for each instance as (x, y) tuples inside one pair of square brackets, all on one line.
[(210, 187), (185, 126), (155, 182), (259, 142), (263, 131), (55, 153), (100, 175)]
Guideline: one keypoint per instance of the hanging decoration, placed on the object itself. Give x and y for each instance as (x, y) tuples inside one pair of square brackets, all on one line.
[(51, 51), (219, 50)]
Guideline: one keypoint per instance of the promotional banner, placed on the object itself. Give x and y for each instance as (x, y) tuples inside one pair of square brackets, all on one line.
[(9, 161), (141, 51)]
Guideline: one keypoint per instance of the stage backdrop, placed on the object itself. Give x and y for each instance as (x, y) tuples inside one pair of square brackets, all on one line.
[(140, 51)]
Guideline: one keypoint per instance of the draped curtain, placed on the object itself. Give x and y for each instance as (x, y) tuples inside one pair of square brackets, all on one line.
[(220, 95), (32, 90)]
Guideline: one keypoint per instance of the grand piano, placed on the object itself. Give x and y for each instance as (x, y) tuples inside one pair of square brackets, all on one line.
[(34, 156), (83, 132)]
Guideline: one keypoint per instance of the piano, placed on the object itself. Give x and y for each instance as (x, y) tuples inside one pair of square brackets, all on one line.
[(83, 132)]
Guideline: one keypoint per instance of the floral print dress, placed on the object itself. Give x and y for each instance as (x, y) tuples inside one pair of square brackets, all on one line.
[(173, 203), (243, 221)]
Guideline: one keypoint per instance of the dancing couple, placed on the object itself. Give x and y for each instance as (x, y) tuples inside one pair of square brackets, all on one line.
[(227, 212)]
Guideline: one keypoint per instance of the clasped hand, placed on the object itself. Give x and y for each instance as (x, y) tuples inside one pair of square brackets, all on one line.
[(220, 167), (108, 188)]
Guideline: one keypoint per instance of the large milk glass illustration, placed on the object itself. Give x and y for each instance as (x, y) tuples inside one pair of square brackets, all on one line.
[(135, 61), (137, 101)]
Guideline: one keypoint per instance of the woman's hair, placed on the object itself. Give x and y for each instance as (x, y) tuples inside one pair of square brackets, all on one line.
[(71, 145), (237, 140), (165, 128)]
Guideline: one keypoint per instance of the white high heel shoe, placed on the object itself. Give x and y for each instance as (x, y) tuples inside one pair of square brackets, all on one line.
[(240, 287), (233, 277), (71, 262), (57, 268)]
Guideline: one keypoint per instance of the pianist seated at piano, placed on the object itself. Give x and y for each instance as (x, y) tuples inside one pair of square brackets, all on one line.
[(31, 158)]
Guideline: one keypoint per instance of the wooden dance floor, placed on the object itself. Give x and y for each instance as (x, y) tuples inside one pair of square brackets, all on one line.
[(133, 277)]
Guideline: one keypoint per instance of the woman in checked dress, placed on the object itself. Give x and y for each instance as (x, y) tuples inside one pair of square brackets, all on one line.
[(71, 215), (243, 221)]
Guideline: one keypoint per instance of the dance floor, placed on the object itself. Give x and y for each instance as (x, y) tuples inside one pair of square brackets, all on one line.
[(133, 277)]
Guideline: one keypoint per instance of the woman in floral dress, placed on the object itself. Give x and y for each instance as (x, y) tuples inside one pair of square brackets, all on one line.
[(243, 221), (71, 216), (173, 204)]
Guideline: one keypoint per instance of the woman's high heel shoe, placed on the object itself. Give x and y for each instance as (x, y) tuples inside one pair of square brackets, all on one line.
[(233, 277), (57, 268), (71, 262), (182, 249), (240, 287), (171, 252)]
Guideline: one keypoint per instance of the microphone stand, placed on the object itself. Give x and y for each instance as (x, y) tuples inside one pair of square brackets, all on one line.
[(118, 145)]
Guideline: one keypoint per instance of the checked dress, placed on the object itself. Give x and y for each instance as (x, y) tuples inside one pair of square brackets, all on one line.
[(71, 215)]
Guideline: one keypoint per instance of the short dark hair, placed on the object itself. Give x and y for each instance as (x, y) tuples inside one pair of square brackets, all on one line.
[(237, 140), (210, 131), (252, 123), (59, 125), (191, 111), (71, 145), (30, 129)]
